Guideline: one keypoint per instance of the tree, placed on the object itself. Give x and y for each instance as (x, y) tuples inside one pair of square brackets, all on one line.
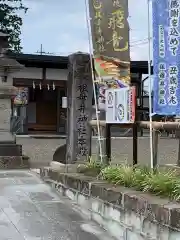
[(11, 22)]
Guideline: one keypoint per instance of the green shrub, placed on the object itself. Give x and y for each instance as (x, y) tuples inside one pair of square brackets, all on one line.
[(122, 175), (162, 183), (92, 167), (140, 175), (93, 164), (159, 182)]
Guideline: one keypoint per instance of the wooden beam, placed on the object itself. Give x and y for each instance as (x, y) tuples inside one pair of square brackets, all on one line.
[(103, 123), (108, 143), (160, 125), (94, 123), (155, 148), (143, 124), (29, 81)]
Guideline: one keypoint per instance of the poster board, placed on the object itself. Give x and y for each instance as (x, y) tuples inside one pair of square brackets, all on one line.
[(21, 97), (120, 105)]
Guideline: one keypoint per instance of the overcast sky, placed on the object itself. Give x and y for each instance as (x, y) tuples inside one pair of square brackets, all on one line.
[(60, 26)]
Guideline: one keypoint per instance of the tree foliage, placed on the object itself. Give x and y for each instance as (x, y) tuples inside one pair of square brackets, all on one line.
[(11, 21)]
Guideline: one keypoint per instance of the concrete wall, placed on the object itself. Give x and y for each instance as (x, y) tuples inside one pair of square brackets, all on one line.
[(120, 224), (124, 213), (122, 150)]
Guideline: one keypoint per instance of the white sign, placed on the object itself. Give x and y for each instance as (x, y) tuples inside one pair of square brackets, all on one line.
[(120, 105)]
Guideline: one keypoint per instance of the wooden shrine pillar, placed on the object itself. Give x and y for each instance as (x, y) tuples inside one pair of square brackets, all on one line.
[(79, 111)]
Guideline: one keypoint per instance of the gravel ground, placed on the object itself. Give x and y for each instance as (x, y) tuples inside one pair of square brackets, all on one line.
[(41, 151)]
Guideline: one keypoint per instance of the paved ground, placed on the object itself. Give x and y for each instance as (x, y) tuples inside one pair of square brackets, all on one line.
[(30, 210), (41, 150)]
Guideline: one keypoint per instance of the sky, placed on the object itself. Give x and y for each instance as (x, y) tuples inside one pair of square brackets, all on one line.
[(61, 27)]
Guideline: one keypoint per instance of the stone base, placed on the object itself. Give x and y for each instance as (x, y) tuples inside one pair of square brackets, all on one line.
[(63, 168), (7, 138), (13, 162), (11, 156), (9, 149), (60, 154)]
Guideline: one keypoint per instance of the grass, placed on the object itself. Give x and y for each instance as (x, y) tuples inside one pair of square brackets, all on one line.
[(92, 167), (159, 182)]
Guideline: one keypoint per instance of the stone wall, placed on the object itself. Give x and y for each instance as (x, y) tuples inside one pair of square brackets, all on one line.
[(122, 150), (126, 214)]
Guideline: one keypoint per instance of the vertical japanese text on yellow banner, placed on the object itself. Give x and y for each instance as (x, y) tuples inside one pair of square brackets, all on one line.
[(116, 22), (97, 25)]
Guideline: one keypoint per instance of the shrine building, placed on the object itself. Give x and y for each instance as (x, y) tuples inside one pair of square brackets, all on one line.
[(42, 84)]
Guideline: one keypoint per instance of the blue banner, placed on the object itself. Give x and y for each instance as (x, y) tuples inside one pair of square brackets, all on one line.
[(166, 56)]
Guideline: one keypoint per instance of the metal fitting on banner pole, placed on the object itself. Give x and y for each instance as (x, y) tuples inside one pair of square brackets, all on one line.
[(34, 86), (54, 86)]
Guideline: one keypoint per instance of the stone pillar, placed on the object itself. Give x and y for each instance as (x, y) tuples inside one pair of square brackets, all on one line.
[(10, 152), (79, 111)]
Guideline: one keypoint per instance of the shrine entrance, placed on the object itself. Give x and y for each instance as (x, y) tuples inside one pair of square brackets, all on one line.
[(42, 110)]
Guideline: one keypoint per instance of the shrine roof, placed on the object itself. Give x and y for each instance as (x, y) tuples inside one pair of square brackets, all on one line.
[(61, 62)]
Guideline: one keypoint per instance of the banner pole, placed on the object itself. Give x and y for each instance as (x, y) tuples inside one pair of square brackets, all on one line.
[(93, 81), (150, 86)]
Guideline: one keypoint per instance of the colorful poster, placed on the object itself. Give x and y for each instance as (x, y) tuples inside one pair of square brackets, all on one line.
[(21, 97), (120, 105), (110, 70), (166, 57)]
